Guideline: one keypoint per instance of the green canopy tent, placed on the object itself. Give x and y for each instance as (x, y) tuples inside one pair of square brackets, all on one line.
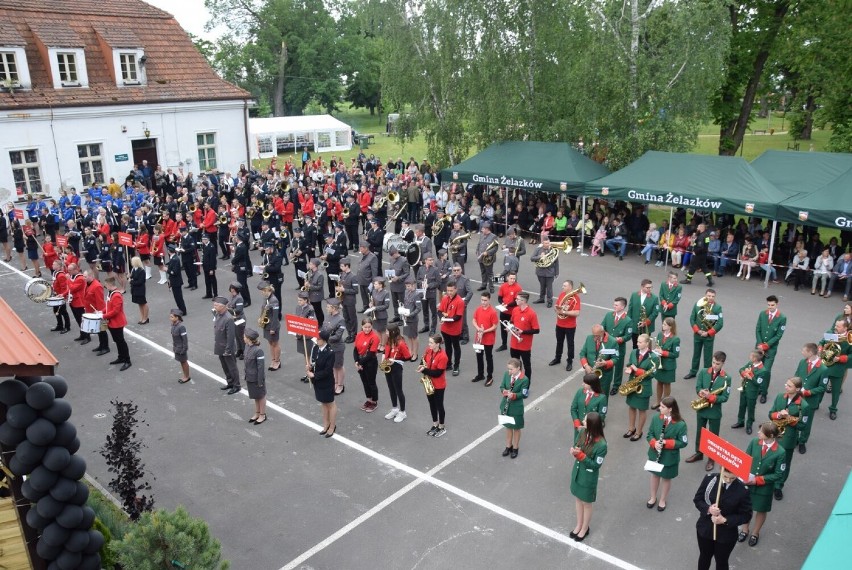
[(828, 206), (833, 546), (801, 172)]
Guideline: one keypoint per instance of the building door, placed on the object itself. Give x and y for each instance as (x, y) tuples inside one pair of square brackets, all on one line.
[(145, 149)]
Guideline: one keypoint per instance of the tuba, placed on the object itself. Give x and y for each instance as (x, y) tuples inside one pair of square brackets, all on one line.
[(562, 308), (487, 257), (428, 386), (393, 197), (706, 323), (701, 403), (634, 385), (455, 243), (832, 350), (550, 256)]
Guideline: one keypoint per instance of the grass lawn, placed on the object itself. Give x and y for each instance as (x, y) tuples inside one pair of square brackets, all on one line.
[(754, 145)]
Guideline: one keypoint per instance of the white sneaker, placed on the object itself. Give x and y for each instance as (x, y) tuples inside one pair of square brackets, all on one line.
[(392, 414), (400, 417)]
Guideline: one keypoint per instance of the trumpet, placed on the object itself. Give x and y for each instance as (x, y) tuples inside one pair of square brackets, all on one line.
[(223, 219), (193, 207), (266, 214), (346, 212), (511, 329), (747, 374)]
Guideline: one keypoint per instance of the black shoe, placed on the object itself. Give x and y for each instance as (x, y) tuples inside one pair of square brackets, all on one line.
[(116, 361), (538, 302), (738, 425), (569, 367), (464, 341), (488, 381), (803, 448), (689, 376), (579, 538), (477, 379), (239, 354), (304, 379), (225, 387), (549, 304), (56, 329), (620, 258), (554, 362), (742, 536), (506, 452), (102, 352), (85, 341), (349, 339), (832, 415), (79, 338), (500, 348), (752, 540), (234, 390), (455, 371), (514, 453), (481, 288), (125, 366), (748, 429), (779, 494), (613, 392), (686, 282), (65, 331), (709, 282), (207, 297), (695, 457), (763, 398)]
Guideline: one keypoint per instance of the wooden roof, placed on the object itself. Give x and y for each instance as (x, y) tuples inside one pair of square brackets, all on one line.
[(175, 70), (21, 351)]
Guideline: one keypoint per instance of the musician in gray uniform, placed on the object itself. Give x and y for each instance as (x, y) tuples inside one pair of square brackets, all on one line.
[(380, 303), (458, 248), (511, 264), (235, 307), (255, 375), (429, 278), (335, 326), (423, 242), (464, 289), (315, 288), (368, 270), (346, 286), (305, 310), (515, 243), (545, 275), (225, 344), (445, 270), (487, 245), (270, 323), (401, 270), (411, 303)]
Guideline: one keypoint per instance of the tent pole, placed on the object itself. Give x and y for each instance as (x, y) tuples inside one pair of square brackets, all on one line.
[(668, 251), (506, 213), (583, 227), (771, 247)]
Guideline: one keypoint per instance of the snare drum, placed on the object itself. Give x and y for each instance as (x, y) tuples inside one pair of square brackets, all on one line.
[(56, 301), (91, 323)]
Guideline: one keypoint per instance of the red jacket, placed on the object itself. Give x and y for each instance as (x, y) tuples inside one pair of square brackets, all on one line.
[(170, 230), (365, 200), (49, 255), (307, 202), (210, 220), (398, 352), (572, 304), (93, 300), (60, 284), (114, 313), (77, 288), (143, 244), (486, 318)]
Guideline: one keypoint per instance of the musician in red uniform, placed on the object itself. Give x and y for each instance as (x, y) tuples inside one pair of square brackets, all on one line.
[(435, 368), (158, 250), (48, 252), (506, 294), (485, 321), (116, 321), (93, 302), (77, 291), (60, 289), (210, 222), (567, 310), (306, 203), (524, 326), (451, 310), (143, 248)]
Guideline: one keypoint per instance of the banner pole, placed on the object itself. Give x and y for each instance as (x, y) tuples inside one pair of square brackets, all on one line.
[(771, 247), (583, 226), (718, 494), (671, 235)]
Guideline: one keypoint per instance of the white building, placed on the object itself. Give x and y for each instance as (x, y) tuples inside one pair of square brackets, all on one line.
[(88, 88)]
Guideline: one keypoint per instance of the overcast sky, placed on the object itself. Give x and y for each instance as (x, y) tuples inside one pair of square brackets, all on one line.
[(191, 14)]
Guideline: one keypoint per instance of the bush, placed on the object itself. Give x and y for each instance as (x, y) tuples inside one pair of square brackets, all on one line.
[(109, 515), (165, 539), (108, 558)]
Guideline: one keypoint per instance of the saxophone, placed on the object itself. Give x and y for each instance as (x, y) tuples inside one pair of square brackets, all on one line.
[(387, 363), (634, 385), (788, 421), (701, 403), (307, 286), (264, 316), (426, 380), (643, 316)]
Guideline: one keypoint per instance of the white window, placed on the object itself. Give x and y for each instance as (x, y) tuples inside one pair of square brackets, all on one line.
[(9, 69), (206, 151), (128, 67), (91, 163), (341, 138), (67, 63), (25, 170)]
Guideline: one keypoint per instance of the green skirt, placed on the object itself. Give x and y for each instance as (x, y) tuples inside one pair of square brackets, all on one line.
[(585, 494), (665, 376), (639, 401), (668, 472), (519, 421), (761, 502)]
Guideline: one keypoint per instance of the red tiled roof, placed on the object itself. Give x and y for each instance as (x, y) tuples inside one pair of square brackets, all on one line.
[(20, 347), (118, 37), (54, 33), (9, 36), (175, 70)]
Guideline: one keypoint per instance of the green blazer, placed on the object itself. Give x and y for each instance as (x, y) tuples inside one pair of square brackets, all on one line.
[(814, 382), (579, 408), (521, 389), (674, 440), (589, 353), (634, 311), (671, 351), (623, 330), (768, 468), (587, 466), (798, 407), (715, 325), (751, 386), (766, 333), (669, 297), (838, 369), (650, 358), (705, 382)]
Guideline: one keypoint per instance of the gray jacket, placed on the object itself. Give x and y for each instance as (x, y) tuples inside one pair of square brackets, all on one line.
[(551, 271), (180, 342), (381, 300), (336, 327), (255, 365), (224, 335), (317, 284), (433, 280), (368, 269), (401, 270)]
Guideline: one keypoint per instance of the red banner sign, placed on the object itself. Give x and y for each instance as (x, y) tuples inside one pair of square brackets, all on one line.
[(28, 230), (301, 326), (62, 241), (19, 214), (125, 239), (725, 454)]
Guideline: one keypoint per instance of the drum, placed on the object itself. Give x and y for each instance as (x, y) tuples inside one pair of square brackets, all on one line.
[(91, 323), (56, 301)]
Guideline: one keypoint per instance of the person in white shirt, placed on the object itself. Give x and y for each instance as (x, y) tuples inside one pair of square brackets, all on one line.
[(822, 271)]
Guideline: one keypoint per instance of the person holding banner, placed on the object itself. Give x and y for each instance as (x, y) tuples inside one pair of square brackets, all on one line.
[(587, 399), (767, 467), (589, 452), (713, 387), (667, 435), (514, 388), (366, 362), (668, 350), (792, 412), (321, 371), (119, 261), (137, 289), (721, 513), (305, 310)]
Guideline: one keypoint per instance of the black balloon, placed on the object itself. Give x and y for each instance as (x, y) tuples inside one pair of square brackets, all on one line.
[(70, 517), (43, 478), (74, 446), (60, 386), (78, 540), (21, 416), (40, 396), (12, 392), (56, 458), (55, 535), (81, 496), (90, 562), (20, 468), (29, 380), (37, 521), (30, 493), (58, 412), (65, 434), (69, 560), (64, 489), (96, 541), (48, 507), (76, 467), (47, 551), (41, 432), (29, 453), (88, 518), (11, 436)]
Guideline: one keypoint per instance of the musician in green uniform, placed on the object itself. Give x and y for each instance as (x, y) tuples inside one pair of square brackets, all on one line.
[(814, 375), (589, 453), (754, 375), (791, 410), (643, 309), (619, 326), (706, 322), (588, 399), (670, 293), (643, 363), (600, 352), (768, 331), (835, 355), (767, 467), (667, 435), (713, 387), (514, 389), (668, 349)]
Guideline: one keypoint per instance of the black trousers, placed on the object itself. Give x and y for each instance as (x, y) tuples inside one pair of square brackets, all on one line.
[(177, 293), (504, 334), (709, 549), (211, 287), (352, 236), (223, 245), (117, 335), (191, 271), (524, 357), (396, 299), (78, 315), (365, 296), (63, 321), (368, 379), (394, 379), (430, 313), (103, 340), (318, 311), (229, 367), (242, 279), (699, 261), (453, 349), (566, 336), (436, 405), (488, 365)]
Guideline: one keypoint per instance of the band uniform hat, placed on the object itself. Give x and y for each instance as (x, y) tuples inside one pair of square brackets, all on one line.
[(510, 231), (338, 225), (442, 251), (363, 243), (315, 261), (486, 225), (268, 244), (345, 261), (236, 286), (325, 334), (204, 236), (304, 295), (184, 229), (251, 334), (333, 301), (243, 235), (176, 312), (328, 236), (411, 280), (220, 300), (296, 230), (264, 285), (171, 246)]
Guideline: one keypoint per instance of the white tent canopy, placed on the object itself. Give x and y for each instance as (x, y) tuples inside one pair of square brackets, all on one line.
[(279, 135)]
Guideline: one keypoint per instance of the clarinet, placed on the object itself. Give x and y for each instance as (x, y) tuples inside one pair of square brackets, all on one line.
[(661, 438), (506, 405)]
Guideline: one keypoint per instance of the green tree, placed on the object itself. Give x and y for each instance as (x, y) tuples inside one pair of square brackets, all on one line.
[(170, 540), (361, 49)]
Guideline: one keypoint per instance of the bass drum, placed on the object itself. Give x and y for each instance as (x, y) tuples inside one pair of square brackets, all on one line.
[(393, 240), (38, 290)]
